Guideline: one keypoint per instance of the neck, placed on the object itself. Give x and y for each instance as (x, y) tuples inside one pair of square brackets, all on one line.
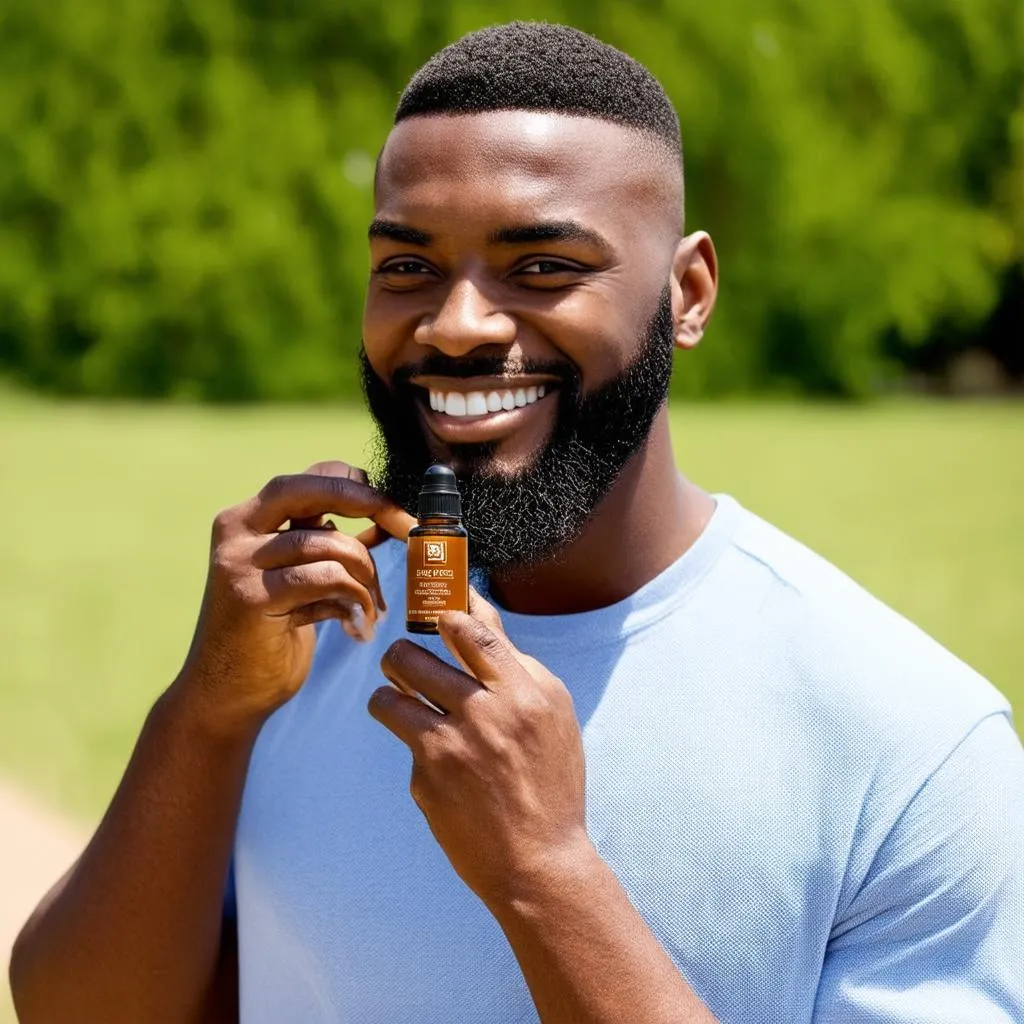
[(647, 521)]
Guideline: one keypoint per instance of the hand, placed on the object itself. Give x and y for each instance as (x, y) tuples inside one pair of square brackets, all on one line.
[(266, 586), (499, 774)]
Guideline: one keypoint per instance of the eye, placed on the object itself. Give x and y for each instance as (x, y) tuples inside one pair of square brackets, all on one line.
[(543, 267), (404, 266)]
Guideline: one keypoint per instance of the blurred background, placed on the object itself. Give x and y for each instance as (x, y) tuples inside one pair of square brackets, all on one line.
[(185, 187)]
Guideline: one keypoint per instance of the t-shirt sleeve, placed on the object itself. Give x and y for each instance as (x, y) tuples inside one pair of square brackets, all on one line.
[(935, 934)]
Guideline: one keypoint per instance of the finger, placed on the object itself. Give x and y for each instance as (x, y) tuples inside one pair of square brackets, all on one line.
[(487, 613), (329, 608), (328, 468), (413, 669), (486, 654), (299, 547), (293, 586), (308, 495), (311, 523), (483, 610), (480, 608), (335, 467), (407, 717), (303, 547), (374, 534)]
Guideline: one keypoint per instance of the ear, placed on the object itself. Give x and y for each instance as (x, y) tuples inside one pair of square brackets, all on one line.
[(694, 286)]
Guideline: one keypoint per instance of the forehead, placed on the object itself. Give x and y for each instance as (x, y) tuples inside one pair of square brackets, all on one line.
[(524, 164)]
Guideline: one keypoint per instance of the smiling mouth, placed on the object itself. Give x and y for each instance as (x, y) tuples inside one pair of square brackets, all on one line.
[(478, 409), (484, 402)]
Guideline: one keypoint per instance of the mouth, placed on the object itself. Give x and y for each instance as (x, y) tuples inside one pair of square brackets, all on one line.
[(484, 408)]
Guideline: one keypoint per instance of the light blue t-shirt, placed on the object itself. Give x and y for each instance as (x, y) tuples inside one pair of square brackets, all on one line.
[(818, 811)]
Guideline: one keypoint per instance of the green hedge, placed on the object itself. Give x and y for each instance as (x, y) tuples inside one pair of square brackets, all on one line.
[(185, 184)]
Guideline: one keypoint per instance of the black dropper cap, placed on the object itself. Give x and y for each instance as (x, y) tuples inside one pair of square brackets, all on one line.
[(439, 495)]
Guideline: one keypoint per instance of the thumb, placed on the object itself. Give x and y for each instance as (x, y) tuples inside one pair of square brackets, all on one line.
[(482, 609)]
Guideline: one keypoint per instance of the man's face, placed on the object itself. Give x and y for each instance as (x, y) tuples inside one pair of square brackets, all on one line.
[(517, 323)]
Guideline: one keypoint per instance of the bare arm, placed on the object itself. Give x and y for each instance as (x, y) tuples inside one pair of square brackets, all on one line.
[(134, 931), (587, 955)]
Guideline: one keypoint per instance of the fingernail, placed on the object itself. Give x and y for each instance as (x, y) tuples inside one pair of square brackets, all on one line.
[(363, 628)]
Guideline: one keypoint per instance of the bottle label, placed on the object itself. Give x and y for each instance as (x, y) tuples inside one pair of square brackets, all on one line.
[(438, 577)]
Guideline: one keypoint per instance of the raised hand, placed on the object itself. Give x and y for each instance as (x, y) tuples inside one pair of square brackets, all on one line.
[(268, 584), (498, 770)]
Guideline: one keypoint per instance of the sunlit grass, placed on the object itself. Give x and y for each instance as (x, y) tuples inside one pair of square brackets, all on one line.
[(105, 513)]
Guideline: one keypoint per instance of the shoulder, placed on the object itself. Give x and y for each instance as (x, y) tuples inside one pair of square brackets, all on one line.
[(850, 649), (902, 723), (861, 684)]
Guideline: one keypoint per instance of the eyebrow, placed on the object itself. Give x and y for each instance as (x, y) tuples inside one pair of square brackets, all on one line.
[(380, 228), (523, 234), (549, 231)]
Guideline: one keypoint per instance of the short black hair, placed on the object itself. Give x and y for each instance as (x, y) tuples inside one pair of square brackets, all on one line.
[(530, 65)]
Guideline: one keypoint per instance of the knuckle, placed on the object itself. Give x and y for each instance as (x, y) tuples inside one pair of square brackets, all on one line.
[(422, 787), (417, 789), (489, 642), (532, 703), (357, 551), (321, 575), (222, 559), (304, 543), (479, 633), (227, 559), (223, 523), (275, 487), (337, 485), (242, 590), (348, 550)]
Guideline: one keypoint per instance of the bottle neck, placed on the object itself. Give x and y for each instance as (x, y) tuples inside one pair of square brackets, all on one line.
[(439, 520)]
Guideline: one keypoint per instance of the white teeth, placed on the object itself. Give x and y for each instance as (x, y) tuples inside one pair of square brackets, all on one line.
[(479, 403), (476, 404)]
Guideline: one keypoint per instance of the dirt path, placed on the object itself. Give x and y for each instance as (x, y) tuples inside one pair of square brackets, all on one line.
[(36, 846)]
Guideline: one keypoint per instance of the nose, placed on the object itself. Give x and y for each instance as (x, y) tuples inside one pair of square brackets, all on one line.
[(467, 319)]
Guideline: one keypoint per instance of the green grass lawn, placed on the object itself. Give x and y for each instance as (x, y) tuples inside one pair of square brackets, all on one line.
[(105, 515)]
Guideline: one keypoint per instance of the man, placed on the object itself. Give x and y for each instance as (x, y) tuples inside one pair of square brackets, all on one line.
[(796, 807)]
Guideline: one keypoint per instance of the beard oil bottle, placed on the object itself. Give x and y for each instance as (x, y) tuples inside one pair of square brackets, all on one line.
[(437, 563)]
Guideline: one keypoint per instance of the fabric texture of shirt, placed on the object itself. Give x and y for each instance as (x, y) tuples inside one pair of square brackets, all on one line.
[(818, 811)]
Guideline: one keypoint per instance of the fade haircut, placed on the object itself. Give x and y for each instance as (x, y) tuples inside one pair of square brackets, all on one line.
[(527, 65)]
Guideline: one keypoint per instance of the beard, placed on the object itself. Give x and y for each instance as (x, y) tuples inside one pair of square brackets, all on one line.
[(519, 520)]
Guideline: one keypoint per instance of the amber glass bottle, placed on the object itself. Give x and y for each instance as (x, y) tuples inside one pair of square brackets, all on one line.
[(437, 563)]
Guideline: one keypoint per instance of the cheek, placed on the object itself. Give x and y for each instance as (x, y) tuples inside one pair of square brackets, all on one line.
[(593, 333), (389, 322)]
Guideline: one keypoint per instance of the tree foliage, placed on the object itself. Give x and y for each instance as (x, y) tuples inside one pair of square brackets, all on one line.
[(185, 184)]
